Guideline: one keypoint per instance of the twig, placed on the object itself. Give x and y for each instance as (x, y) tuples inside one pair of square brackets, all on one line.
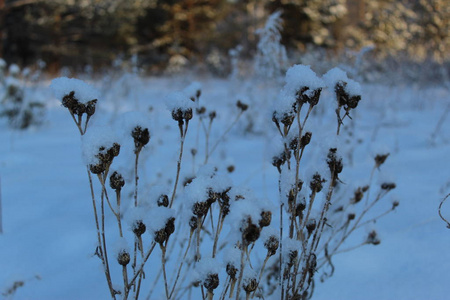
[(439, 211)]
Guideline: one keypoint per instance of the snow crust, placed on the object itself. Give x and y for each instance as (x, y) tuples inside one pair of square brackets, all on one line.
[(84, 92)]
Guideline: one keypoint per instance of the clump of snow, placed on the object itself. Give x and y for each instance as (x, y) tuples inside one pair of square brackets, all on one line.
[(130, 120), (192, 90), (336, 75), (232, 256), (157, 218), (207, 266), (179, 100), (120, 245), (84, 92), (290, 247), (14, 70), (300, 76), (94, 139)]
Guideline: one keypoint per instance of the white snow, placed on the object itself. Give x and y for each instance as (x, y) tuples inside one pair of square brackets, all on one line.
[(84, 92)]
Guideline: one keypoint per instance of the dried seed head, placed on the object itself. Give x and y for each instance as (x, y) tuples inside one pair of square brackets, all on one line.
[(141, 137), (250, 284), (160, 236), (163, 200), (293, 144), (359, 194), (212, 115), (211, 282), (311, 225), (271, 244), (266, 218), (115, 150), (334, 163), (80, 109), (388, 186), (187, 114), (90, 107), (380, 159), (300, 207), (241, 106), (69, 101), (351, 216), (201, 110), (97, 168), (194, 152), (198, 93), (116, 181), (231, 271), (306, 139), (341, 94), (316, 183), (170, 227), (395, 204), (123, 258), (250, 232), (200, 209), (365, 188), (353, 101), (230, 169), (177, 114), (293, 254), (193, 223), (373, 238), (138, 228)]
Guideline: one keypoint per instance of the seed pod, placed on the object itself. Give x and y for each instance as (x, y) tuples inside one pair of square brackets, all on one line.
[(123, 258), (80, 109), (313, 99), (97, 168), (353, 101), (292, 257), (160, 236), (250, 284), (230, 169), (300, 208), (115, 150), (388, 186), (266, 218), (170, 227), (380, 159), (351, 216), (212, 115), (341, 94), (211, 282), (187, 114), (306, 139), (373, 238), (90, 107), (271, 244), (250, 233), (359, 194), (141, 137), (139, 228), (241, 106), (311, 225), (395, 204), (193, 223), (163, 200), (316, 184), (231, 271), (201, 110), (116, 181), (177, 114), (69, 101), (200, 209)]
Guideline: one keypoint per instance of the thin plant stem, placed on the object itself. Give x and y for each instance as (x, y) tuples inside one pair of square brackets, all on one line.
[(183, 137), (163, 263), (181, 265), (142, 265), (241, 270)]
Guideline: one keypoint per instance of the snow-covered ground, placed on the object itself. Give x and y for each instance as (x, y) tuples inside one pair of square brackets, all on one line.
[(49, 238)]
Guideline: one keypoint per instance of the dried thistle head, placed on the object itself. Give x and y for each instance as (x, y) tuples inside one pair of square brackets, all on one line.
[(266, 218), (123, 258), (231, 270), (334, 163), (357, 196), (211, 282), (250, 284), (250, 232), (387, 186), (316, 183), (373, 238), (380, 159), (306, 139), (163, 200), (200, 209), (241, 106), (311, 226), (141, 137), (116, 181), (138, 228), (271, 244), (193, 222)]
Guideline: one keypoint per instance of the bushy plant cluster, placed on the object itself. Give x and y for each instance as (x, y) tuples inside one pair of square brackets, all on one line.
[(204, 236)]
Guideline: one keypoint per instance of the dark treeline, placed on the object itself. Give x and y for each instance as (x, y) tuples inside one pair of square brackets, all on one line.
[(77, 33)]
